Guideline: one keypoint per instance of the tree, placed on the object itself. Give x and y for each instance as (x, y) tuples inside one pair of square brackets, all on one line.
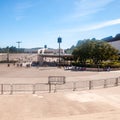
[(76, 54), (12, 49), (103, 52), (70, 50), (95, 50)]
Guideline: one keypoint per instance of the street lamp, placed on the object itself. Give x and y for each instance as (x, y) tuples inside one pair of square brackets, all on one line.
[(59, 41), (45, 46)]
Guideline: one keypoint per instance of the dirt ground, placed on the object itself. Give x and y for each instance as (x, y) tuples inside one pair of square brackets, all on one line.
[(99, 104), (14, 74)]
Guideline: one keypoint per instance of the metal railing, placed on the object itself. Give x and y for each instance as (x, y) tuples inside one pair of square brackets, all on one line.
[(46, 87)]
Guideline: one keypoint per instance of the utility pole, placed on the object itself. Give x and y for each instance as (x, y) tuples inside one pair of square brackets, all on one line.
[(8, 54), (18, 42)]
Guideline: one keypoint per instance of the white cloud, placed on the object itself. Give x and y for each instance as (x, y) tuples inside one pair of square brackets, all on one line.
[(23, 6), (104, 24), (20, 9), (86, 7), (83, 8), (92, 27)]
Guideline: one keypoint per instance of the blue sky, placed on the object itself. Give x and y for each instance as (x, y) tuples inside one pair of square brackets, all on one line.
[(40, 22)]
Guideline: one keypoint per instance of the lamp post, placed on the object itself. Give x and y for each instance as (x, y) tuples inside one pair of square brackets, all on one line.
[(59, 41), (45, 47)]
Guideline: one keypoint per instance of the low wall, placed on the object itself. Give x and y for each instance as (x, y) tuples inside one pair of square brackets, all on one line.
[(17, 56)]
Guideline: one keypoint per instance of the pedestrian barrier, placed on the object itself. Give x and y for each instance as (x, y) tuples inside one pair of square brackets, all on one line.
[(58, 83)]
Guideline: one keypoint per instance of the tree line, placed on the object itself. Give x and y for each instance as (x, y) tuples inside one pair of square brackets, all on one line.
[(11, 49)]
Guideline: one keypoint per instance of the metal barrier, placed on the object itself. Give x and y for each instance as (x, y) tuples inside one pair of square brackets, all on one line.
[(22, 88), (87, 85), (58, 84), (55, 81)]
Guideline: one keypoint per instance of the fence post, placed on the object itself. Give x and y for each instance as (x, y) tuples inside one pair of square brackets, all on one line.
[(33, 88), (90, 85), (105, 83), (74, 86), (2, 89), (49, 87), (116, 82), (55, 90), (11, 90)]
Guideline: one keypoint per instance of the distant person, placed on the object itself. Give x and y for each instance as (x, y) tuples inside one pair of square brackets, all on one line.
[(8, 65), (108, 69)]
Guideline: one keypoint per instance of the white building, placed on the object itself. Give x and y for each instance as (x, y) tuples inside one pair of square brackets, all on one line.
[(46, 51), (115, 44), (51, 56)]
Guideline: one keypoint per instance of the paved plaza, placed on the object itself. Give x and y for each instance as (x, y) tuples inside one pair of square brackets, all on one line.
[(96, 104)]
